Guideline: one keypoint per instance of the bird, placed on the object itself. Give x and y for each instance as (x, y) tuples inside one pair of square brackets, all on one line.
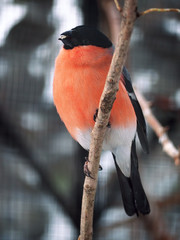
[(81, 68)]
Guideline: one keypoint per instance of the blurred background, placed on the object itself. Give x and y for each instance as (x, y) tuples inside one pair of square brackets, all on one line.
[(41, 167)]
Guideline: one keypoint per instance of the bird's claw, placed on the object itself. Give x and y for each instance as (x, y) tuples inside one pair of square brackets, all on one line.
[(87, 172)]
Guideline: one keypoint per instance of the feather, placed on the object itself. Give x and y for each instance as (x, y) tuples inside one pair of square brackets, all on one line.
[(133, 195), (141, 124)]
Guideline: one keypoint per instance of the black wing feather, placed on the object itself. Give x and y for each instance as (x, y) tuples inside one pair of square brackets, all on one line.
[(141, 200), (126, 191), (141, 124), (133, 195)]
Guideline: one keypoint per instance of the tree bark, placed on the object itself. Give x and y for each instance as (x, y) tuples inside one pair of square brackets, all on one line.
[(129, 16)]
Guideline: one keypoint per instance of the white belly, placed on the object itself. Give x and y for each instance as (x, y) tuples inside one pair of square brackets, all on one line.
[(117, 140), (113, 139)]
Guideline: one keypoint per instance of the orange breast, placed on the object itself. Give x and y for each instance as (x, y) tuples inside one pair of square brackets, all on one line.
[(79, 80)]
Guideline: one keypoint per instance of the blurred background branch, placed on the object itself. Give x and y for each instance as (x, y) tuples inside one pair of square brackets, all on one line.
[(167, 145)]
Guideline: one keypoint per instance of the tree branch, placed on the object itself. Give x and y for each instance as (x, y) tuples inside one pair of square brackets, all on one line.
[(118, 6), (105, 106), (167, 144), (158, 10)]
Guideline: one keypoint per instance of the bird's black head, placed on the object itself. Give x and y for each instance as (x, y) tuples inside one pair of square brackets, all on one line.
[(83, 36)]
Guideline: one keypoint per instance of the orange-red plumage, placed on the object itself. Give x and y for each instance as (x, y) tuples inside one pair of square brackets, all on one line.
[(78, 84)]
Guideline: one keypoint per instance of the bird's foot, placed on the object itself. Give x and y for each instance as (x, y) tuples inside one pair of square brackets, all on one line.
[(87, 172)]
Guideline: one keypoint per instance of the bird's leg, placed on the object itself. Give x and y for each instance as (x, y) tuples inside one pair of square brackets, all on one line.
[(87, 172), (95, 116)]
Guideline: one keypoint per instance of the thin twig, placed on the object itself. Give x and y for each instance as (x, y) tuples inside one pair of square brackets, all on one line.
[(118, 6), (158, 10), (105, 106), (167, 144)]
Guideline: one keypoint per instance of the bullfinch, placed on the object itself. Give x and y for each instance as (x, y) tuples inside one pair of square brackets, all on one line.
[(80, 73)]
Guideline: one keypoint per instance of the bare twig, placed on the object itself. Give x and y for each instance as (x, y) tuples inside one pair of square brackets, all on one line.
[(160, 131), (158, 10), (105, 106), (118, 6)]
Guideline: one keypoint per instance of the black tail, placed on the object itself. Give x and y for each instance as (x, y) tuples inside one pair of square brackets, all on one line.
[(133, 195)]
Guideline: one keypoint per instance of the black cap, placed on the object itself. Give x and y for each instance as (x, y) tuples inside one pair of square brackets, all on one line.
[(83, 36)]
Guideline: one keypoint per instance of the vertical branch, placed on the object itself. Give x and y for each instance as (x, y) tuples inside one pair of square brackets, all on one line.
[(106, 102)]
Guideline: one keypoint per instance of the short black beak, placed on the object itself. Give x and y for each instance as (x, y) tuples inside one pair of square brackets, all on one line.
[(62, 36), (65, 35)]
